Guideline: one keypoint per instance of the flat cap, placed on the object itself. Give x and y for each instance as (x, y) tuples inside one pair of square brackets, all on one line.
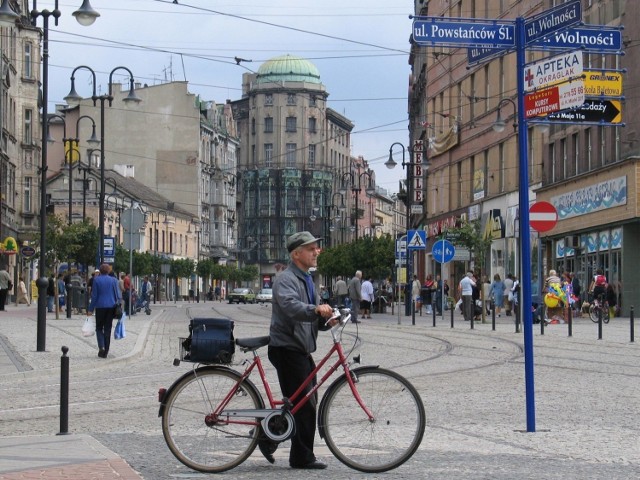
[(300, 238)]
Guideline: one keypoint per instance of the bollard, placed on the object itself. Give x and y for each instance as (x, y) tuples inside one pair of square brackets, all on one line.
[(600, 323), (452, 307), (433, 309), (631, 325), (516, 313), (570, 321), (472, 312), (64, 392), (543, 320), (413, 312), (68, 305), (493, 316)]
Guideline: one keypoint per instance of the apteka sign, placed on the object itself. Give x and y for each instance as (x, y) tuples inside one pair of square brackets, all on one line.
[(551, 71)]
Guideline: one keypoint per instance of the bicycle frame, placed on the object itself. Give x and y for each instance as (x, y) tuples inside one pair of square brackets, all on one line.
[(298, 399)]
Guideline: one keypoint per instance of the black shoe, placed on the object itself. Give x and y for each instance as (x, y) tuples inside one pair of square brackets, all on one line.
[(356, 321), (315, 465), (268, 448), (102, 353)]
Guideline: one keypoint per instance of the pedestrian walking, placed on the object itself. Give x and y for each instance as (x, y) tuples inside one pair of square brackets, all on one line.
[(366, 293), (508, 295), (497, 293), (5, 286), (51, 293), (355, 295), (22, 293), (296, 318), (105, 295), (341, 290)]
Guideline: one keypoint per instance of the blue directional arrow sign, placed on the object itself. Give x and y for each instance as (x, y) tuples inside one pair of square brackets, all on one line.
[(443, 251), (591, 38), (550, 21), (432, 31)]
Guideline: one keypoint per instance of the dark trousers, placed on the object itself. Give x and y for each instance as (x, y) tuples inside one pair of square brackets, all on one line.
[(3, 297), (293, 368), (104, 322), (467, 307)]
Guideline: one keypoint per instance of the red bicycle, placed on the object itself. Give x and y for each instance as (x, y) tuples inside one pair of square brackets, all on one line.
[(372, 419)]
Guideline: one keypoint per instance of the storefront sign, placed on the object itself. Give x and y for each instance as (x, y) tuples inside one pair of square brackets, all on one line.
[(599, 196)]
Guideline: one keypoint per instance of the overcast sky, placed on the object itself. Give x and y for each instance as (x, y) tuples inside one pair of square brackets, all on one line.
[(360, 48)]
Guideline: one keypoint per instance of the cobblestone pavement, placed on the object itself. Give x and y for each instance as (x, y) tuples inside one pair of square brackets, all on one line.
[(471, 382)]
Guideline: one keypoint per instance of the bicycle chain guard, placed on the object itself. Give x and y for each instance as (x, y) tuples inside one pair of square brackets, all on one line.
[(279, 426)]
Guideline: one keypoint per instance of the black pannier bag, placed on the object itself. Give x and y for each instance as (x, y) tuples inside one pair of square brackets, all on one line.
[(210, 341)]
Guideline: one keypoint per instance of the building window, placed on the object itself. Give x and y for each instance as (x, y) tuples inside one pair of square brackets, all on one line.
[(313, 101), (291, 98), (312, 156), (253, 126), (28, 49), (291, 125), (27, 194), (312, 125), (268, 99), (28, 126), (268, 154), (268, 125), (291, 155), (576, 153)]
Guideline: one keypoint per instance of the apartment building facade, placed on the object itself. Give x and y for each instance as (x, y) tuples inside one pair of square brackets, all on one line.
[(473, 169)]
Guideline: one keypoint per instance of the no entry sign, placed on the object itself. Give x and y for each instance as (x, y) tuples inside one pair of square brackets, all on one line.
[(542, 216)]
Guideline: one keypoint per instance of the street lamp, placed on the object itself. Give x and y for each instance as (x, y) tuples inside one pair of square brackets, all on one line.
[(391, 163), (499, 125), (70, 146), (72, 98), (370, 190), (85, 181), (85, 16), (154, 245)]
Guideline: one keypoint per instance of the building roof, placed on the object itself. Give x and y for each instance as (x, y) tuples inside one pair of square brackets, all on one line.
[(288, 68)]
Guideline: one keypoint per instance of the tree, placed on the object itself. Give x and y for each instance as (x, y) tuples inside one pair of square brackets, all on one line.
[(375, 256), (470, 236)]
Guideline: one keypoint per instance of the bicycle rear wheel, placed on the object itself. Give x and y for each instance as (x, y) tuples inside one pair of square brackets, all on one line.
[(384, 443), (200, 442), (593, 313)]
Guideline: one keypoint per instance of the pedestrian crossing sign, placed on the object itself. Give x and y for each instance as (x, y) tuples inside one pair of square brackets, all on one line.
[(417, 240)]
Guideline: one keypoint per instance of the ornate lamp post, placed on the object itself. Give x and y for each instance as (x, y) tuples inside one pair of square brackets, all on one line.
[(72, 98), (356, 189), (85, 15)]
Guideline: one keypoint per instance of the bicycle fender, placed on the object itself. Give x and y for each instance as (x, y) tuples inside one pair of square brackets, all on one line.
[(205, 368), (333, 386)]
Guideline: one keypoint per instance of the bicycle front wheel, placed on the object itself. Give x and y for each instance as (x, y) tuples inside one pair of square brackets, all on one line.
[(199, 441), (385, 442), (593, 313)]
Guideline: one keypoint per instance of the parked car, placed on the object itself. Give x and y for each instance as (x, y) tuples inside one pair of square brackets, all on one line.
[(264, 295), (242, 295)]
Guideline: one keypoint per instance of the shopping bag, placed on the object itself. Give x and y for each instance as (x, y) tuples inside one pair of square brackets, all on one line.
[(89, 326), (119, 332)]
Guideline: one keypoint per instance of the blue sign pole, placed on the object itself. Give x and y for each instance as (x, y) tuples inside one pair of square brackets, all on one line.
[(525, 242)]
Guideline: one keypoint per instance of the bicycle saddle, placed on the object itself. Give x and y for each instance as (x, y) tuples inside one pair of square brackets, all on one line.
[(253, 343)]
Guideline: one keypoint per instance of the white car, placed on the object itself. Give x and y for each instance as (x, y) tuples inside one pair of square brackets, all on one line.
[(264, 296)]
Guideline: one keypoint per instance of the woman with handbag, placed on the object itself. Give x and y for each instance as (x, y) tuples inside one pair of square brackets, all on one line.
[(105, 297)]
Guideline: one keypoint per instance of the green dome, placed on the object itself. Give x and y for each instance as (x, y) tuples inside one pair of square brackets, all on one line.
[(288, 68)]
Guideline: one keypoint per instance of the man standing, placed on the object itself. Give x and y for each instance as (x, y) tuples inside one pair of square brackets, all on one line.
[(466, 291), (355, 294), (5, 281), (341, 290), (295, 320)]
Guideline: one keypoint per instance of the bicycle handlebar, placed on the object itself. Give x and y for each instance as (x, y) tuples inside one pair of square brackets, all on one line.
[(343, 314)]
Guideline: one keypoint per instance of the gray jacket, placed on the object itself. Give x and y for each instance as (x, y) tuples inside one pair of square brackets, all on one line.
[(355, 289), (294, 322)]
